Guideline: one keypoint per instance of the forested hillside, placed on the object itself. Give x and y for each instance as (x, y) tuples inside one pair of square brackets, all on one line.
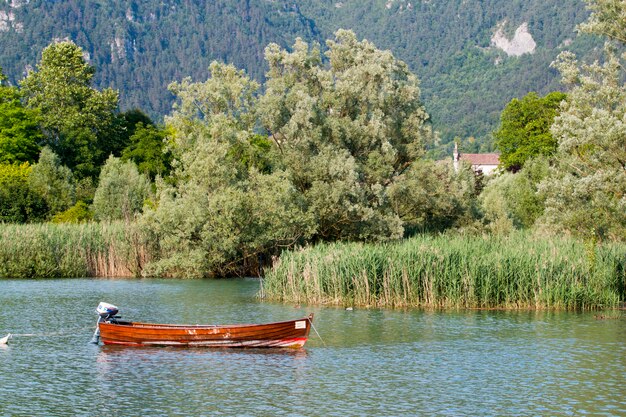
[(140, 46)]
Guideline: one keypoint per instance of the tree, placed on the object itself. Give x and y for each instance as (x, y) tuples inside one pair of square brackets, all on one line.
[(77, 120), (121, 192), (147, 149), (124, 128), (345, 132), (513, 200), (53, 181), (18, 202), (78, 213), (431, 196), (338, 138), (524, 131), (132, 118), (19, 132), (586, 192), (608, 18), (220, 212)]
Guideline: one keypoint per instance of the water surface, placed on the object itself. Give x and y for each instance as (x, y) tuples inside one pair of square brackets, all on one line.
[(370, 362)]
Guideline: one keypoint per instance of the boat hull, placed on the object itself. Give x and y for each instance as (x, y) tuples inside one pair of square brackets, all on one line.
[(286, 334)]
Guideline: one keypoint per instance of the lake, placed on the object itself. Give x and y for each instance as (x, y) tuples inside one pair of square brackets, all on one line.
[(370, 362)]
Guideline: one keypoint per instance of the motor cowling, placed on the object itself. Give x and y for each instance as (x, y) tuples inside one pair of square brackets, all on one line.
[(106, 310)]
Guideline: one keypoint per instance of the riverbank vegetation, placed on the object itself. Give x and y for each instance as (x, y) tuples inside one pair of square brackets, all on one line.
[(71, 250), (453, 271), (331, 150)]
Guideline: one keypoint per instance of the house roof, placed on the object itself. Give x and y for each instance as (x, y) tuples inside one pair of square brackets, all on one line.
[(481, 158)]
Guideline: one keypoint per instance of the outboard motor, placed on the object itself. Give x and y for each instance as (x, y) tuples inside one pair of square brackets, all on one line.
[(107, 312)]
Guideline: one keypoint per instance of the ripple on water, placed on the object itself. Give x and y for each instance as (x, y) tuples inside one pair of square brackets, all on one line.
[(374, 362)]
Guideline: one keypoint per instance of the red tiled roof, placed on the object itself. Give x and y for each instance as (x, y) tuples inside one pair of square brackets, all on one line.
[(481, 158)]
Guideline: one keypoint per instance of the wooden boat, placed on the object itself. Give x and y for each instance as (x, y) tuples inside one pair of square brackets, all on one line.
[(285, 334)]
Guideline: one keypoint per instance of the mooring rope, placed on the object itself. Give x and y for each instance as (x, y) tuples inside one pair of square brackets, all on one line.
[(318, 335), (55, 334)]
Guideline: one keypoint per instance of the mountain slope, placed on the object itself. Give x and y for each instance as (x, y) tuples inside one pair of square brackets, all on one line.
[(454, 46), (141, 46)]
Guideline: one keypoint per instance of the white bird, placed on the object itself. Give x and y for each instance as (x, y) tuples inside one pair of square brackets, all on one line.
[(5, 339)]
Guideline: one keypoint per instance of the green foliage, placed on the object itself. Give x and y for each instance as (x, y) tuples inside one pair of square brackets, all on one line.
[(147, 149), (253, 153), (524, 131), (85, 189), (343, 162), (132, 118), (53, 181), (18, 202), (122, 130), (78, 213), (121, 191), (34, 193), (78, 121), (450, 271), (608, 18), (225, 228), (512, 200), (586, 192), (19, 132), (431, 196), (221, 211), (345, 131)]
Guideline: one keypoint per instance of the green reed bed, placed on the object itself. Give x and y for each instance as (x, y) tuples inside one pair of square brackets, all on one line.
[(69, 250), (454, 272)]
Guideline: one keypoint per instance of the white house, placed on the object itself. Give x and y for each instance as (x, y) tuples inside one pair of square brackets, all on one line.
[(486, 163)]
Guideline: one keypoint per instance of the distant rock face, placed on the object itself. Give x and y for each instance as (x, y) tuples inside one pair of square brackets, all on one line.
[(403, 4), (8, 22), (17, 3), (121, 49), (5, 20), (522, 42)]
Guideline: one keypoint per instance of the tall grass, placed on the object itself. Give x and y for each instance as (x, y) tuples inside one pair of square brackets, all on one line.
[(70, 250), (454, 272)]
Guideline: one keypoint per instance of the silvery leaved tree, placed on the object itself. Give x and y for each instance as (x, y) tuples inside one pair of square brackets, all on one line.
[(586, 192), (347, 126), (222, 209), (53, 181), (329, 151), (121, 191)]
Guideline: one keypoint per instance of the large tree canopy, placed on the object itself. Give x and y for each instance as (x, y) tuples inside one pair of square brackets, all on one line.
[(346, 131), (329, 151), (221, 212), (78, 121), (524, 131)]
